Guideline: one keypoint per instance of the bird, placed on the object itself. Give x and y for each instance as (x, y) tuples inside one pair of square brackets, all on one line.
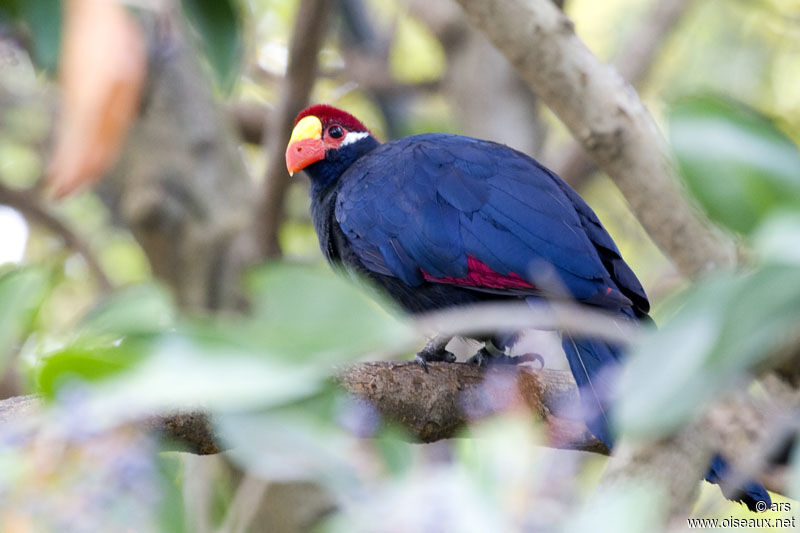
[(440, 221)]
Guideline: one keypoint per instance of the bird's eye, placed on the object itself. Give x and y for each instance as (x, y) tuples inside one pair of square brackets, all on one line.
[(335, 132)]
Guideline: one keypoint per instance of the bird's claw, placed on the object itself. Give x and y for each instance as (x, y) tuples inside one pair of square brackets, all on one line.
[(529, 358), (421, 362), (481, 358), (484, 358), (426, 356)]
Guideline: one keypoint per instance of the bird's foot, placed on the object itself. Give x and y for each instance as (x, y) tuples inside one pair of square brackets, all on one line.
[(430, 354), (485, 357)]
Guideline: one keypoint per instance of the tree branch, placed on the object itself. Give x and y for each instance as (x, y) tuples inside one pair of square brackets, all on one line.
[(29, 205), (606, 116), (634, 63), (438, 404), (431, 406), (674, 464), (441, 403), (307, 37)]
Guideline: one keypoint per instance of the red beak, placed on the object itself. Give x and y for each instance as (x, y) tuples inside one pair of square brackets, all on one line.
[(302, 153)]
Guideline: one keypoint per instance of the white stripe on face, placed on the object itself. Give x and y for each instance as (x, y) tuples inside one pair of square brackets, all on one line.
[(353, 136)]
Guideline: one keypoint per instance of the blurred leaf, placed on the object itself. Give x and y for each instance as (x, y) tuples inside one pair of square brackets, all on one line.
[(777, 239), (43, 19), (502, 455), (102, 71), (219, 26), (132, 318), (794, 487), (287, 446), (308, 312), (727, 326), (395, 447), (181, 372), (735, 161), (620, 509), (173, 512), (21, 293), (87, 364), (135, 310), (304, 320)]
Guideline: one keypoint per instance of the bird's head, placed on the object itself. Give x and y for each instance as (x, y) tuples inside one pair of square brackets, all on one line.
[(325, 141)]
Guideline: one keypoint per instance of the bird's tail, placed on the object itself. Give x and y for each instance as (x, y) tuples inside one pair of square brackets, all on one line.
[(594, 365), (751, 493)]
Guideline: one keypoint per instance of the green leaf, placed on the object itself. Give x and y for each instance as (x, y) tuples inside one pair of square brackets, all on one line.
[(396, 449), (172, 514), (21, 294), (736, 162), (777, 239), (9, 10), (181, 372), (287, 446), (219, 25), (311, 313), (794, 487), (86, 364), (624, 507), (727, 327), (116, 335), (135, 310), (43, 18)]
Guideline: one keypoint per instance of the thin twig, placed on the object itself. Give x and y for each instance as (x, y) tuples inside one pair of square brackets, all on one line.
[(31, 207), (309, 31)]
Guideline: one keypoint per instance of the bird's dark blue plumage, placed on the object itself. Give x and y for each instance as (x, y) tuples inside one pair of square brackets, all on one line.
[(427, 202), (442, 220)]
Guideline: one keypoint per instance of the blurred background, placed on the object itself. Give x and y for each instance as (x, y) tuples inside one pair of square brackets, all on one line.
[(142, 180)]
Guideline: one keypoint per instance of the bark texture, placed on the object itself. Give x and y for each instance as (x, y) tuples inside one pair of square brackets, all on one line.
[(439, 404), (166, 186)]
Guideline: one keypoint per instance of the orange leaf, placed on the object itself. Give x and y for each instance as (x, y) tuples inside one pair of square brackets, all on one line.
[(103, 67)]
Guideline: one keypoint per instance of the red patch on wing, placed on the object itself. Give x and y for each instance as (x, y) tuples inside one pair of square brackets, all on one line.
[(480, 275)]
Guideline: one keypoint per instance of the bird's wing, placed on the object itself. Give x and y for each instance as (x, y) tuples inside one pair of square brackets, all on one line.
[(450, 209), (609, 254)]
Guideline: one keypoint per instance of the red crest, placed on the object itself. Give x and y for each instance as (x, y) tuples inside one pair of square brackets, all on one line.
[(329, 115)]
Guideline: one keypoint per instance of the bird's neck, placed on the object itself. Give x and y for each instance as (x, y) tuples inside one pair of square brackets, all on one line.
[(325, 173)]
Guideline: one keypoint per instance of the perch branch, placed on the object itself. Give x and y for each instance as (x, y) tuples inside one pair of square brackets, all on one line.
[(607, 117), (439, 405), (431, 406)]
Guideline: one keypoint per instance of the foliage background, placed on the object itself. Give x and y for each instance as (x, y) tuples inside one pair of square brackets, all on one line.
[(722, 88)]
